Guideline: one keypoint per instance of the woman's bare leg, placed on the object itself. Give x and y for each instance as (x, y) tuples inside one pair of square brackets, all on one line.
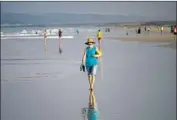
[(90, 80)]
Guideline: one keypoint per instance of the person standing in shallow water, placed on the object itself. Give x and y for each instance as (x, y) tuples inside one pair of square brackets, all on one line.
[(90, 61), (59, 40)]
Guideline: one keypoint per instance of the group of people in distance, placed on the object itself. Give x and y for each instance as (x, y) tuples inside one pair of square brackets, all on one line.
[(59, 40), (90, 60), (161, 29)]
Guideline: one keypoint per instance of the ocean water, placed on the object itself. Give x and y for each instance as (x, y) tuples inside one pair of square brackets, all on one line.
[(26, 32), (135, 81)]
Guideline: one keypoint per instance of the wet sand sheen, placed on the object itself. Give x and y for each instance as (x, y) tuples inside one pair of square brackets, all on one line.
[(169, 39), (138, 84)]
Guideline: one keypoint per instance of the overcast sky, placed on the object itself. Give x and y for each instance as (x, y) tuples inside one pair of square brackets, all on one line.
[(165, 9)]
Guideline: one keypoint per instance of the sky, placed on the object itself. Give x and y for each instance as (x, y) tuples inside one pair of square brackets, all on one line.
[(148, 9)]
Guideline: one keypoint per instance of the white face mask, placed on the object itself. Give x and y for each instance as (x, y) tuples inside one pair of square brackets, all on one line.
[(90, 45)]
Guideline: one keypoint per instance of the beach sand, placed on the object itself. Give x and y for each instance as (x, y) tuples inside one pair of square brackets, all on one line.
[(169, 39), (139, 81)]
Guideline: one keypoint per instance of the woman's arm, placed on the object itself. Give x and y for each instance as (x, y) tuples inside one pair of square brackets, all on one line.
[(83, 57)]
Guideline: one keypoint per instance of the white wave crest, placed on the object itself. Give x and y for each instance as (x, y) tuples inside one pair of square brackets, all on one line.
[(34, 36)]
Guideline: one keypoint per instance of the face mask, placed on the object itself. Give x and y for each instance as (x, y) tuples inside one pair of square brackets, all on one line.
[(91, 45)]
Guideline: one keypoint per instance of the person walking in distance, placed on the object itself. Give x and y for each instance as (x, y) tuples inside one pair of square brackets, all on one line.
[(145, 29), (161, 30), (59, 40), (148, 29), (99, 37), (171, 28), (77, 31), (175, 30), (45, 39), (90, 61)]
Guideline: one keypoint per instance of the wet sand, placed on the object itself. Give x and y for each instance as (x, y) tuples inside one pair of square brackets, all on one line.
[(169, 40), (138, 82)]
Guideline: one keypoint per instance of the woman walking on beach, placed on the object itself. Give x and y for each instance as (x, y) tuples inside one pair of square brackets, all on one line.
[(45, 39), (90, 61), (59, 40)]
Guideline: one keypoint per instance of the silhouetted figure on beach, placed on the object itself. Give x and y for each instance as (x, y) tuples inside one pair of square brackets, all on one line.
[(59, 40), (171, 28), (139, 30), (45, 40), (107, 30), (145, 29), (36, 32)]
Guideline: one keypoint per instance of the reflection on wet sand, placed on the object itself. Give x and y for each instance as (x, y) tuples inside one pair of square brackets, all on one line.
[(91, 112), (101, 68)]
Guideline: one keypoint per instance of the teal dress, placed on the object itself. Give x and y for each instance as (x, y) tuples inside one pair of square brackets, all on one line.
[(90, 59)]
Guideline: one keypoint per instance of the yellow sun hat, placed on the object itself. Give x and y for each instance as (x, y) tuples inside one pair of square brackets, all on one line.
[(89, 40)]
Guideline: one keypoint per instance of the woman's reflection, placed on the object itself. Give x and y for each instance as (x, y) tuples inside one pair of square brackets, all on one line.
[(92, 112)]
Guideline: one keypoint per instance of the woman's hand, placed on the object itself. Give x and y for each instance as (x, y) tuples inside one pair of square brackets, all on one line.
[(82, 67)]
